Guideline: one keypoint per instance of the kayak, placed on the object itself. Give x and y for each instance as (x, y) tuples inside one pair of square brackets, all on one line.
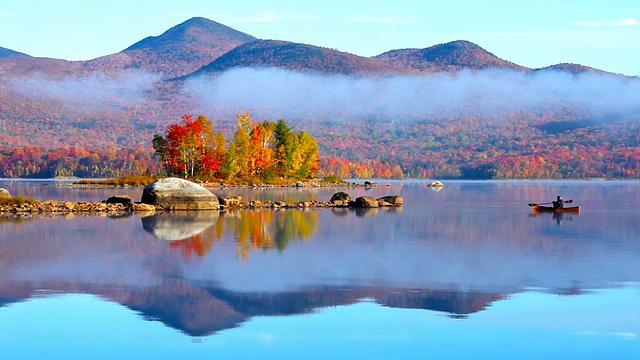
[(540, 208)]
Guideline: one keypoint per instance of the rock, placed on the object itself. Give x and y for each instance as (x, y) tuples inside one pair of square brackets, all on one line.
[(340, 198), (369, 184), (119, 199), (366, 202), (100, 207), (4, 193), (230, 201), (391, 200), (139, 207), (435, 184), (178, 194)]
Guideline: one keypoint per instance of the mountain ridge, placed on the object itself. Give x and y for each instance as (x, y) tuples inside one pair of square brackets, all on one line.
[(447, 57), (4, 52), (296, 57), (198, 42), (180, 50)]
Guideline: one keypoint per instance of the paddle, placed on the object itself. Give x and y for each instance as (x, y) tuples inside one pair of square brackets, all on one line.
[(550, 202)]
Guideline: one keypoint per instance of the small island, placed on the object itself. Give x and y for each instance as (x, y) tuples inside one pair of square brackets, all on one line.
[(175, 194)]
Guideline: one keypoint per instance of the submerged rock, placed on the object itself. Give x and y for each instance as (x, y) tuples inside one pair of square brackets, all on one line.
[(179, 194), (230, 201), (369, 184), (118, 199)]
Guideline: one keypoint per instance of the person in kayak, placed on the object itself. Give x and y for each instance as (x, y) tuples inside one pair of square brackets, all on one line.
[(559, 203)]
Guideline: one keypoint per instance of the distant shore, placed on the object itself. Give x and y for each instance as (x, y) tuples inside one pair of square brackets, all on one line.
[(315, 183)]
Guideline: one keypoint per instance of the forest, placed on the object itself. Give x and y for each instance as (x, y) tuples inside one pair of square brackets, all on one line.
[(471, 148)]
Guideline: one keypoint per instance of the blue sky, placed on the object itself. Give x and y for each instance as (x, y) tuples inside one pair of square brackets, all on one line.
[(601, 34)]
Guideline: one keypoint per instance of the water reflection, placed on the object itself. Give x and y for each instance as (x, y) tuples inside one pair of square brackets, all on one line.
[(557, 217), (181, 225), (195, 232), (445, 251)]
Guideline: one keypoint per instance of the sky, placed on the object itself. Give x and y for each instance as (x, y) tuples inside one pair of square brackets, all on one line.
[(596, 33)]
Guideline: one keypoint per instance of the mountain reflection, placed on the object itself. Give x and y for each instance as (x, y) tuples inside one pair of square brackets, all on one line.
[(458, 251)]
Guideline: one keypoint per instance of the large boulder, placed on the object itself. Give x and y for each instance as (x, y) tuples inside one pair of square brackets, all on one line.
[(391, 200), (178, 194), (4, 193), (366, 202), (340, 198)]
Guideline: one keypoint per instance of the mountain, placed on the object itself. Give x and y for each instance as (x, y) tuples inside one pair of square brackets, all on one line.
[(180, 50), (449, 57), (12, 66), (575, 69), (99, 105), (297, 57), (4, 52)]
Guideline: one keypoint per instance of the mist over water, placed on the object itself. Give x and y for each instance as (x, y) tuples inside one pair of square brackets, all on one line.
[(283, 93)]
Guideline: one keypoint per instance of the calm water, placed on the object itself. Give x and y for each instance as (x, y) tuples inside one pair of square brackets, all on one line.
[(463, 272)]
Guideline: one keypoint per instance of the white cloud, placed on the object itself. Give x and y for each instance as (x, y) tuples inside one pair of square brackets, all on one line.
[(623, 22), (380, 20)]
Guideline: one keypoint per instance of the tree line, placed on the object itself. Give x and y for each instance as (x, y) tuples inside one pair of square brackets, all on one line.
[(266, 150)]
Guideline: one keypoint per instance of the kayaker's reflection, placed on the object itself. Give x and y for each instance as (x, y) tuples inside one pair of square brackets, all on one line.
[(558, 217)]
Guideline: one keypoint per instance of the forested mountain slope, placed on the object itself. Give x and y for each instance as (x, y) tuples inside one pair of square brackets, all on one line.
[(448, 110)]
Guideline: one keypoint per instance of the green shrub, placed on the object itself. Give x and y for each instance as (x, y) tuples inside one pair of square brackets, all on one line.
[(333, 178), (17, 200)]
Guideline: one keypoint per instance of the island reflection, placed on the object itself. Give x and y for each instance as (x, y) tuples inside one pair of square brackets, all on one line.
[(194, 232)]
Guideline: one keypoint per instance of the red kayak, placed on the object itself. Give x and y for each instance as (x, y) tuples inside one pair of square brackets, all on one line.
[(540, 208)]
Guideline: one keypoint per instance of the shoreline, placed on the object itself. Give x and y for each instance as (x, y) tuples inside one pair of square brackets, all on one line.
[(119, 205), (222, 185)]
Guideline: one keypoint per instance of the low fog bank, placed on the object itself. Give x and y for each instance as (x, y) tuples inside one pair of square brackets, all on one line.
[(281, 93), (85, 93), (276, 93)]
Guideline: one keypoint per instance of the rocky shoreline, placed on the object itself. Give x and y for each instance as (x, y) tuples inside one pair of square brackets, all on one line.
[(120, 204), (226, 203)]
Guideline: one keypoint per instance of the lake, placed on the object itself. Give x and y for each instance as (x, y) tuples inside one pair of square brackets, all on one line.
[(466, 271)]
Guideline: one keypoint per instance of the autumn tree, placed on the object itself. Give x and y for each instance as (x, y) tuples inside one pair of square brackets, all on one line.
[(187, 148), (266, 150), (305, 156)]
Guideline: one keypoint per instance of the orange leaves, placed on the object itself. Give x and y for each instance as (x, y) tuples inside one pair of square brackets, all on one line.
[(186, 149)]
